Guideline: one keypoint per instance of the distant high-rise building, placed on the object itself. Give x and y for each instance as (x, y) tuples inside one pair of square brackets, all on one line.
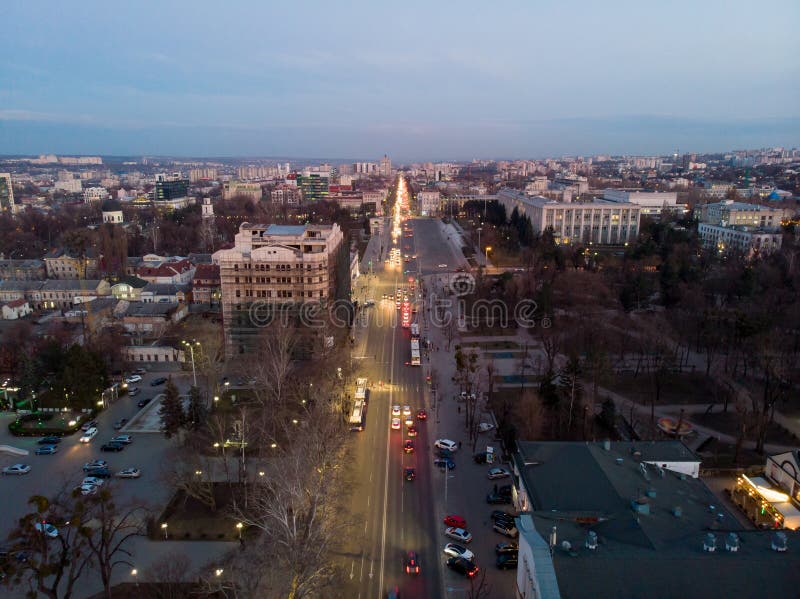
[(314, 187), (7, 203), (386, 166), (202, 174), (171, 190)]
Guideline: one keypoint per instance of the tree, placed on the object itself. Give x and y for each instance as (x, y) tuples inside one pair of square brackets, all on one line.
[(173, 418), (197, 409), (570, 386)]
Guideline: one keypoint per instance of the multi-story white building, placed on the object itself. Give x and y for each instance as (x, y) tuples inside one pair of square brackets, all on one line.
[(69, 185), (278, 265), (94, 194), (731, 213), (598, 221), (652, 203), (429, 202), (386, 166), (202, 174), (237, 188), (288, 195), (739, 238)]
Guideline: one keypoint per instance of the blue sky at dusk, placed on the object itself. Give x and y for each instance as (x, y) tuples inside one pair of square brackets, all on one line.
[(416, 80)]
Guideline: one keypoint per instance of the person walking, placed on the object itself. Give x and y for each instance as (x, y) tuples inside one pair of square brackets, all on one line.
[(459, 443)]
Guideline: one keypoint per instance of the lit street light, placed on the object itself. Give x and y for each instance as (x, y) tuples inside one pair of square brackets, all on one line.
[(239, 527), (165, 527)]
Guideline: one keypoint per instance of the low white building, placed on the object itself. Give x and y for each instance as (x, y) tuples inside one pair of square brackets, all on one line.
[(742, 239), (94, 194), (16, 309), (652, 203)]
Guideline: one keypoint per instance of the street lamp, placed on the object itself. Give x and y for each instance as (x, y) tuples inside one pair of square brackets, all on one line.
[(191, 351), (488, 249), (239, 526), (164, 527), (218, 572)]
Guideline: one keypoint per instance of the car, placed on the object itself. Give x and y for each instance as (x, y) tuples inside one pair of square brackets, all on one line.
[(87, 489), (87, 425), (406, 410), (485, 427), (412, 431), (457, 533), (94, 464), (409, 474), (505, 491), (412, 563), (120, 423), (93, 480), (506, 529), (453, 520), (507, 561), (89, 435), (506, 548), (17, 469), (446, 444), (408, 446), (395, 424), (133, 391), (443, 266), (456, 550), (51, 440), (369, 302), (159, 381), (46, 449), (422, 415), (462, 566), (112, 447), (495, 473), (129, 473), (47, 529), (140, 371), (480, 458), (409, 421), (134, 378), (395, 410), (501, 516), (124, 439), (99, 472), (142, 403), (497, 499), (443, 463), (444, 453)]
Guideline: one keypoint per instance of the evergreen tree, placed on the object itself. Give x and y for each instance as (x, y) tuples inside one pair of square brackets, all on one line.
[(197, 409), (171, 411)]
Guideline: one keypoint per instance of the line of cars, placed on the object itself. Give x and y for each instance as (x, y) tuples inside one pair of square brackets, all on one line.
[(409, 472)]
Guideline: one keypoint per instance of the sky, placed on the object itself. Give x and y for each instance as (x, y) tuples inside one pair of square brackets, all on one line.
[(416, 80)]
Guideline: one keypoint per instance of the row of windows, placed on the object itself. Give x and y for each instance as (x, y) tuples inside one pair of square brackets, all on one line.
[(272, 280), (279, 267), (279, 293)]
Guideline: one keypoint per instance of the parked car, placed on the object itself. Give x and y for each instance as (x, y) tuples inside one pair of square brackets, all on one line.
[(140, 371), (443, 463), (17, 469), (412, 563), (47, 529), (120, 423), (508, 530), (507, 561), (505, 490), (87, 425), (462, 566), (453, 520), (46, 449), (93, 480), (444, 453), (87, 489), (495, 473), (505, 548), (497, 499), (129, 473), (134, 378), (89, 435), (456, 550), (459, 534), (409, 474), (51, 440), (142, 403), (501, 516), (112, 447), (99, 472), (94, 464), (133, 391), (480, 458), (485, 427), (446, 444), (124, 439), (159, 381)]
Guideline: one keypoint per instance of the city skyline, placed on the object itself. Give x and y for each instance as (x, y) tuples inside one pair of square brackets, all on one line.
[(424, 83)]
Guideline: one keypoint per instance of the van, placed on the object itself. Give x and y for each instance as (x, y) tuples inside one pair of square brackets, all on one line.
[(89, 435)]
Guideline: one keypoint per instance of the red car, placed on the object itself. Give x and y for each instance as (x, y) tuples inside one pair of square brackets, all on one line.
[(412, 431), (422, 415), (412, 563), (453, 520), (408, 446)]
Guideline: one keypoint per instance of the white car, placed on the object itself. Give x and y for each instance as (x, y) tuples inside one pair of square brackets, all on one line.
[(133, 391), (88, 489), (485, 427), (443, 266), (92, 480), (129, 473), (459, 534), (445, 444), (48, 529), (406, 410), (395, 410), (498, 473), (455, 550), (17, 469), (395, 424), (95, 464), (89, 435), (135, 378)]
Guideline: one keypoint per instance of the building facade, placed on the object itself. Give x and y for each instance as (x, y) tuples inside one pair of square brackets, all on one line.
[(286, 195), (731, 213), (598, 221), (652, 203), (314, 187), (429, 202), (22, 270), (7, 203), (740, 239), (62, 264), (171, 191), (251, 191)]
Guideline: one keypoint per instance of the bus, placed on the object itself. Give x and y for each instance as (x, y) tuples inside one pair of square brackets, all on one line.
[(415, 331), (415, 361), (358, 419), (361, 388)]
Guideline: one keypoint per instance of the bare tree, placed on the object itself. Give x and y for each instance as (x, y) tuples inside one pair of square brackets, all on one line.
[(191, 473), (169, 574)]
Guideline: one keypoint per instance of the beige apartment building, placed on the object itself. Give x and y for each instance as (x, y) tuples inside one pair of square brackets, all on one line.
[(273, 265), (729, 213)]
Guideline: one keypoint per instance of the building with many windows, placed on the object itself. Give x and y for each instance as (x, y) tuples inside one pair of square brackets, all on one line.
[(61, 263), (7, 203), (274, 265), (314, 186), (597, 221), (731, 213), (171, 191), (231, 189), (750, 241), (652, 203)]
